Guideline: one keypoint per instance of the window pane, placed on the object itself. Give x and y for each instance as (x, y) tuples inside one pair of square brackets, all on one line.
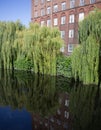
[(72, 3), (82, 2), (71, 33), (92, 1), (55, 8), (63, 19), (55, 21), (63, 5), (71, 18), (48, 10), (81, 16), (70, 47), (62, 49), (42, 23), (62, 34), (48, 22)]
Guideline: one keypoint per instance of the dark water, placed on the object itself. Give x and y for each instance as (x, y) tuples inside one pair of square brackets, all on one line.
[(32, 102)]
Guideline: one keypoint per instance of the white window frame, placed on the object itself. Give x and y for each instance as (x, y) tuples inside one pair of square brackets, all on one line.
[(36, 2), (63, 20), (81, 16), (92, 1), (82, 2), (71, 18), (42, 23), (62, 34), (36, 14), (71, 33), (42, 1), (63, 5), (70, 48), (62, 49), (48, 10), (72, 3), (42, 12), (56, 8), (55, 21), (48, 22)]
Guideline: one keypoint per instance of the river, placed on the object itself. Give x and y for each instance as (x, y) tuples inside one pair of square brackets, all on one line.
[(41, 102)]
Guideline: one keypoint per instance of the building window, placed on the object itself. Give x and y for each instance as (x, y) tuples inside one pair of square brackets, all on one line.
[(62, 49), (82, 2), (42, 23), (62, 34), (55, 21), (92, 1), (36, 2), (72, 3), (66, 114), (36, 14), (55, 8), (71, 18), (71, 33), (81, 16), (63, 19), (42, 1), (63, 5), (48, 10), (48, 22), (70, 47), (42, 12)]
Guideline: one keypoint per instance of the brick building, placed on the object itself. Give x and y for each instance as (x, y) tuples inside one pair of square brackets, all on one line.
[(64, 14)]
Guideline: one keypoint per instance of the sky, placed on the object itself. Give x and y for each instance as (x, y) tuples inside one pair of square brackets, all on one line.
[(13, 10)]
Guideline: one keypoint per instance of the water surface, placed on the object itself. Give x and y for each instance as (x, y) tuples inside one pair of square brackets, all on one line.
[(36, 102)]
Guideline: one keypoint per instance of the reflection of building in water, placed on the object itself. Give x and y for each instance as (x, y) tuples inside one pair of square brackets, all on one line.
[(60, 121)]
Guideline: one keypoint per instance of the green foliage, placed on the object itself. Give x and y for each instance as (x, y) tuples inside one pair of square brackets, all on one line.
[(23, 64), (8, 52), (85, 58), (35, 46), (42, 45), (64, 66)]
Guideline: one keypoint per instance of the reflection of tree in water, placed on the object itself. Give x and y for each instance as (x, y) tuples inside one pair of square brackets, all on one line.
[(85, 107), (36, 93)]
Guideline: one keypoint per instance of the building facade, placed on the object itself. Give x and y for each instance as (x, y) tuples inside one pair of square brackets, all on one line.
[(64, 14)]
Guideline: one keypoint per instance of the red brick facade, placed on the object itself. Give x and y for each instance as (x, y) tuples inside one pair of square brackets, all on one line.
[(65, 15)]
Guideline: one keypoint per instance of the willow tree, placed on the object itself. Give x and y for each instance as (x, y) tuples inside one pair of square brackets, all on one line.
[(2, 30), (42, 45), (86, 59), (8, 35)]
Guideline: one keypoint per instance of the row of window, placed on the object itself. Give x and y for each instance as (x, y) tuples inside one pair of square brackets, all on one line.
[(72, 3), (70, 48), (55, 8), (63, 20)]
